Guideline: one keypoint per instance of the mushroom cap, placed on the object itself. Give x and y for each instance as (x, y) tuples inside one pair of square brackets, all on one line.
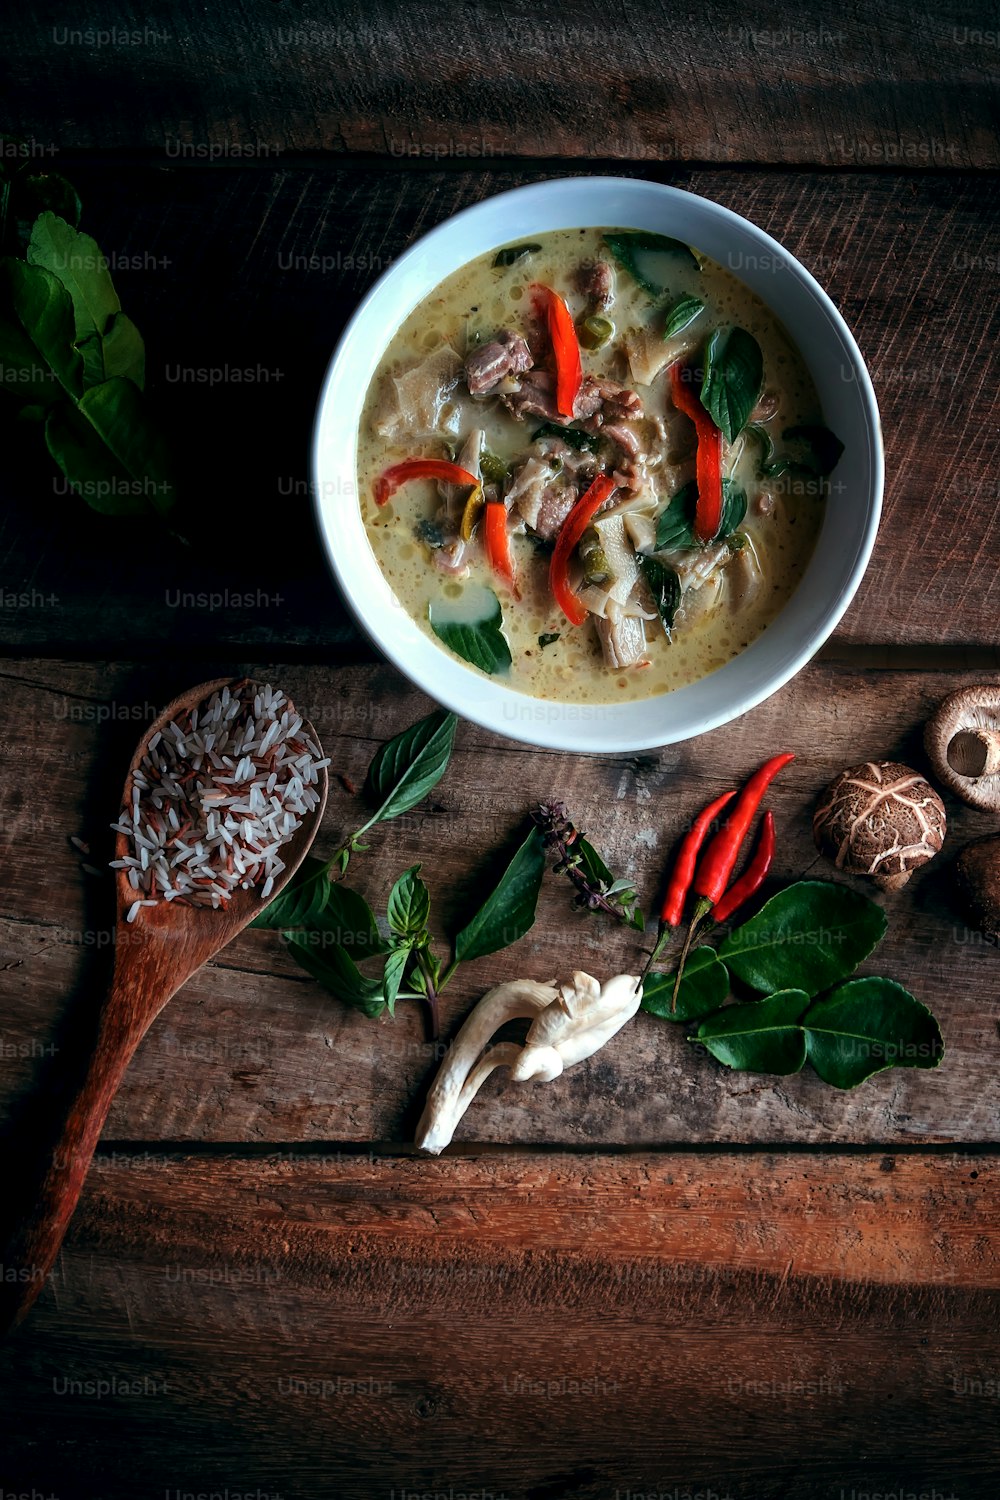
[(880, 819), (962, 741), (976, 876)]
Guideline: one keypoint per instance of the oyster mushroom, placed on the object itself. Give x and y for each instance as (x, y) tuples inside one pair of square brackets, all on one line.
[(963, 745), (881, 819), (571, 1019)]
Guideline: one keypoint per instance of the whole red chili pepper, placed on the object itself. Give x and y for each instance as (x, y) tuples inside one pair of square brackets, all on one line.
[(717, 863), (682, 874), (716, 866), (753, 876)]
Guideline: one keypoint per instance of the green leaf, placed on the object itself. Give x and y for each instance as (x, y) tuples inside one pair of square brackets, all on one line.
[(675, 528), (763, 437), (571, 436), (734, 375), (703, 988), (410, 765), (549, 638), (665, 587), (866, 1026), (392, 977), (23, 375), (120, 351), (31, 194), (409, 905), (110, 452), (513, 253), (337, 972), (76, 261), (681, 315), (124, 350), (347, 921), (480, 642), (621, 893), (592, 864), (734, 508), (629, 244), (509, 911), (809, 936), (816, 448), (43, 308), (764, 1036), (303, 899)]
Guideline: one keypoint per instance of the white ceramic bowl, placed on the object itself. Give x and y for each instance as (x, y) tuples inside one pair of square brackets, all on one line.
[(849, 406)]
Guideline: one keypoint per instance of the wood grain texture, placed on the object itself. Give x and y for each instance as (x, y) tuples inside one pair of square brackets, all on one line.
[(253, 1050), (534, 1327), (154, 956), (839, 85), (241, 282)]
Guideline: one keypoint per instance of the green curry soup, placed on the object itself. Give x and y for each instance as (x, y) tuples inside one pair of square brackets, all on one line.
[(477, 375)]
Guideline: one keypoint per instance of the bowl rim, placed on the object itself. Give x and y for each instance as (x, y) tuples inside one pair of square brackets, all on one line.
[(545, 730)]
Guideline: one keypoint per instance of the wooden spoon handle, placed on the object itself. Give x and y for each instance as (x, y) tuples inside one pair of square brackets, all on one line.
[(37, 1237)]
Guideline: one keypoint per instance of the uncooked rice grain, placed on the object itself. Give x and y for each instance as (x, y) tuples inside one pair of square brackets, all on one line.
[(215, 797)]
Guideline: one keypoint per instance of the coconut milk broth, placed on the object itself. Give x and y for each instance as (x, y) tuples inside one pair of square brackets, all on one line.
[(470, 306)]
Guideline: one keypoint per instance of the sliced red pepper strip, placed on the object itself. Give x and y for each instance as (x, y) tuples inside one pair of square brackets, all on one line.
[(497, 540), (753, 876), (419, 468), (708, 459), (569, 539), (565, 348)]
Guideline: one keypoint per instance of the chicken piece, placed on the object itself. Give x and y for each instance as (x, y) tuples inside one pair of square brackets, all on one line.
[(596, 279), (534, 397), (578, 463), (603, 401), (540, 498), (694, 566), (485, 367), (451, 558), (598, 400)]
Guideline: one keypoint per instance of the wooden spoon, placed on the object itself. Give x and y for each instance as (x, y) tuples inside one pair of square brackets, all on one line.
[(154, 955)]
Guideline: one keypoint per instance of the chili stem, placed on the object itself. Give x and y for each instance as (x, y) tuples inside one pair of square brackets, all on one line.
[(700, 913)]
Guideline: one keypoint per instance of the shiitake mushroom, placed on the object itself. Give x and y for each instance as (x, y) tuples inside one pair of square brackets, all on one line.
[(880, 819), (976, 878)]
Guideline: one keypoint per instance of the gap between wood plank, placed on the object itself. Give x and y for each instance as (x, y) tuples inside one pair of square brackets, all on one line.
[(470, 1150)]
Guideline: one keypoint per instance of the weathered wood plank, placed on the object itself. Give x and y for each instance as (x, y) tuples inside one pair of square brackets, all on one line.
[(909, 260), (844, 85), (542, 1326), (253, 1050)]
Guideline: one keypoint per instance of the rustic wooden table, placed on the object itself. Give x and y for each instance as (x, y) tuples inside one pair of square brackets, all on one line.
[(667, 1279)]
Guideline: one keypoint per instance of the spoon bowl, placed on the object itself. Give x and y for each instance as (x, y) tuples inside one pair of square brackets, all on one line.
[(155, 954)]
